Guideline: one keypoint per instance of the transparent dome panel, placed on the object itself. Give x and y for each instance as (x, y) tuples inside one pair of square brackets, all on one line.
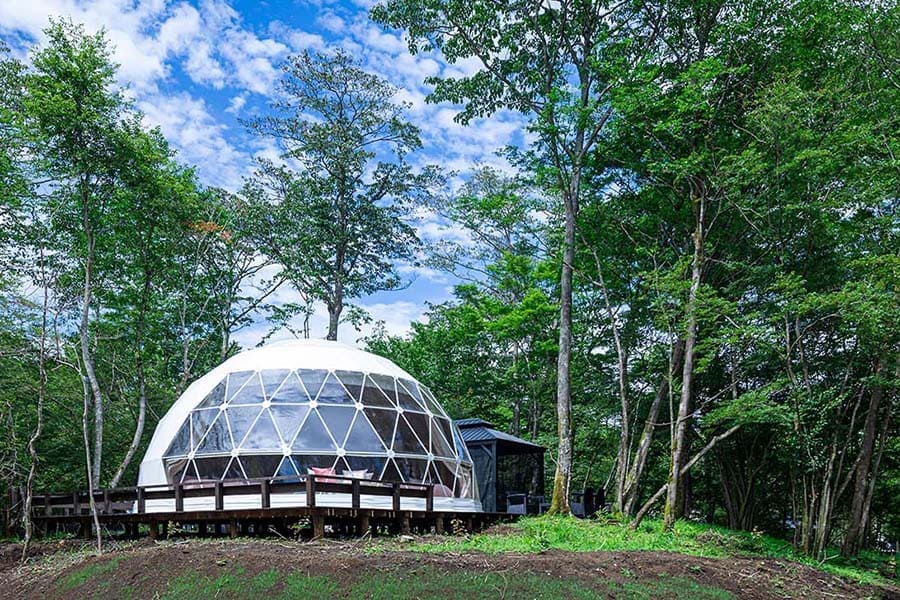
[(263, 435), (291, 390), (288, 418), (272, 379), (250, 393), (333, 392), (337, 420)]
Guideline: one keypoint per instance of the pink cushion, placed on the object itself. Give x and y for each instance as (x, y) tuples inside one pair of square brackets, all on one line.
[(318, 471), (441, 490)]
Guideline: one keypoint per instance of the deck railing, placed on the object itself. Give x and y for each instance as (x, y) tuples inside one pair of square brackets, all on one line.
[(134, 499)]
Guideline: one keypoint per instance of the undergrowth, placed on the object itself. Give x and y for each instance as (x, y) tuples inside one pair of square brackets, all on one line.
[(536, 534)]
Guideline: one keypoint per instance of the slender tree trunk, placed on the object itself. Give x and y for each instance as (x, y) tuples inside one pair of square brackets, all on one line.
[(334, 311), (142, 384), (684, 469), (624, 452), (559, 503), (679, 441), (84, 336), (87, 457), (633, 480), (39, 425), (858, 518)]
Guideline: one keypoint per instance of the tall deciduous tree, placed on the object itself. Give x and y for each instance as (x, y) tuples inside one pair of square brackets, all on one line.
[(558, 63), (334, 224), (76, 116)]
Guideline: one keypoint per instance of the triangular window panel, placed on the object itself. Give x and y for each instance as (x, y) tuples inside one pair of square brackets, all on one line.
[(215, 397), (217, 440), (257, 466), (234, 470), (362, 438), (412, 469), (353, 382), (288, 419), (439, 444), (190, 473), (312, 380), (387, 384), (431, 401), (236, 381), (391, 473), (272, 380), (373, 465), (287, 468), (337, 419), (264, 435), (313, 436), (241, 420), (200, 422), (251, 393), (181, 445), (405, 440), (175, 469), (373, 396), (406, 399), (419, 424), (291, 391), (340, 465), (332, 392), (384, 423), (446, 472), (461, 448), (213, 467)]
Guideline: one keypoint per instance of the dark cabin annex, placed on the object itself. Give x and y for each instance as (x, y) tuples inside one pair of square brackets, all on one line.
[(504, 464)]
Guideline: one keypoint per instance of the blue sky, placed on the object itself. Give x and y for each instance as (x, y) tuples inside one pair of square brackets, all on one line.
[(194, 67)]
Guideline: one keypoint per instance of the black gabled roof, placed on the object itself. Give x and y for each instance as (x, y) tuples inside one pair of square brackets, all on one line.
[(477, 431)]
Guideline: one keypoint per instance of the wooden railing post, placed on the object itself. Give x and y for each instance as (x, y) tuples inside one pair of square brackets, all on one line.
[(179, 498), (76, 504), (354, 491), (141, 501), (107, 505), (310, 490), (220, 496), (47, 510), (395, 487), (265, 490), (429, 499)]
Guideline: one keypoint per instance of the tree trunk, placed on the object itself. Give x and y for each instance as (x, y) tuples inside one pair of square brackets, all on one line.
[(633, 480), (679, 440), (858, 517), (559, 503), (39, 425), (335, 307), (84, 337), (684, 469), (142, 384)]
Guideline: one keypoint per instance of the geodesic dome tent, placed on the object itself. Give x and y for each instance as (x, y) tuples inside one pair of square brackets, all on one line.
[(310, 406)]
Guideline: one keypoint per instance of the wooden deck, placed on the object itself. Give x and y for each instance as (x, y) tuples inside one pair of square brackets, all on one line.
[(123, 511)]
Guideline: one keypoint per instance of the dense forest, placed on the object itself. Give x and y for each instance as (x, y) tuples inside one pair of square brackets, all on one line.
[(685, 285)]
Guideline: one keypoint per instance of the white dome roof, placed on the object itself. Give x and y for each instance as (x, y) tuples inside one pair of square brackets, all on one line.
[(291, 405), (308, 354)]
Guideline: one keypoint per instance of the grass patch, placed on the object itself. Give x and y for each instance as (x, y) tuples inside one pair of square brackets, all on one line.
[(536, 534), (232, 584), (87, 573), (428, 583)]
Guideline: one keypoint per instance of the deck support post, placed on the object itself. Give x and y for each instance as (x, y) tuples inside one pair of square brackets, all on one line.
[(154, 530), (404, 523), (201, 529), (363, 523), (233, 528), (439, 524), (318, 522)]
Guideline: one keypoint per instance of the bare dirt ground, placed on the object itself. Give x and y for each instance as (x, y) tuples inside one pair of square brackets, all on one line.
[(144, 568)]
